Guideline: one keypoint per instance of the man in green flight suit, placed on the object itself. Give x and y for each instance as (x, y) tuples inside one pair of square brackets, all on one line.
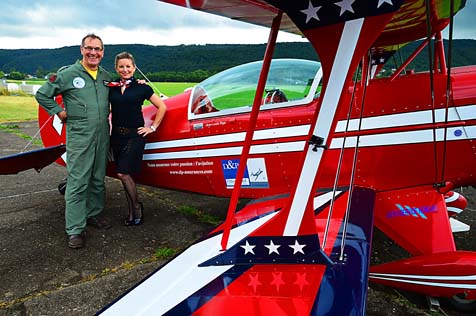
[(87, 136)]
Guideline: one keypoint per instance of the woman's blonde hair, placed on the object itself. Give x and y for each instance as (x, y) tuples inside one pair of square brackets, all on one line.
[(124, 55)]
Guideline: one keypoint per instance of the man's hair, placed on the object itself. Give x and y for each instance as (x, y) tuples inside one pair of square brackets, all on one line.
[(92, 36), (124, 55)]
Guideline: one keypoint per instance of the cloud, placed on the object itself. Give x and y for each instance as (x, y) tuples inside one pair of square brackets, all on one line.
[(464, 22), (52, 23)]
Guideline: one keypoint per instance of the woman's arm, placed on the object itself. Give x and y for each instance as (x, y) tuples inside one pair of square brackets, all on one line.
[(159, 116)]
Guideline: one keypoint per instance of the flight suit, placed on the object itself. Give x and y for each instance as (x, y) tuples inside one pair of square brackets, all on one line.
[(87, 139)]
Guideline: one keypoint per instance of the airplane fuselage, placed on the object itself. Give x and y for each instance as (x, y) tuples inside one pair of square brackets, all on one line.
[(402, 136)]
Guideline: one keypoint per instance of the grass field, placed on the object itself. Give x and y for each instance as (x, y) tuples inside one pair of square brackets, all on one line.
[(25, 108), (18, 108), (167, 88), (171, 88)]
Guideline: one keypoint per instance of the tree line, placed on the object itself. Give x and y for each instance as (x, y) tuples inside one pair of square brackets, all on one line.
[(192, 63)]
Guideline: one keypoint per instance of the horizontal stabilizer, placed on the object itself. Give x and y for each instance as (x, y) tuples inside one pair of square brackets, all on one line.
[(273, 249), (263, 272), (36, 159), (442, 274)]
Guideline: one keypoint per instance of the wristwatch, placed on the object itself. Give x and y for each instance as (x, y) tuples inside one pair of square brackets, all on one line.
[(152, 127)]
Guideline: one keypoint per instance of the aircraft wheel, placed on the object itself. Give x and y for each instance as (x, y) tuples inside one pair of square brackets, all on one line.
[(459, 303), (62, 187)]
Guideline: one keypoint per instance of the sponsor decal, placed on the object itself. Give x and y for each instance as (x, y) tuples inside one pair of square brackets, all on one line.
[(406, 210), (255, 175), (185, 167)]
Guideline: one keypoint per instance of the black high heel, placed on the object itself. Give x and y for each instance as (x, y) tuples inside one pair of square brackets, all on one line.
[(138, 220), (129, 222)]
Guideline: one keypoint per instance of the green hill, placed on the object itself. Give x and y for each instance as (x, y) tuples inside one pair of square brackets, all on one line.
[(152, 58), (202, 59)]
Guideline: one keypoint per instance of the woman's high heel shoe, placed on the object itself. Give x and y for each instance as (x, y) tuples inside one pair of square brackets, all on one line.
[(129, 222), (138, 220)]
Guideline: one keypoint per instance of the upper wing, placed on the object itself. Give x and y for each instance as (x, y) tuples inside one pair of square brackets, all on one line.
[(408, 24), (253, 11)]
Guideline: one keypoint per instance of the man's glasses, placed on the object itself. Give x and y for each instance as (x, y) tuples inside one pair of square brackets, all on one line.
[(90, 49)]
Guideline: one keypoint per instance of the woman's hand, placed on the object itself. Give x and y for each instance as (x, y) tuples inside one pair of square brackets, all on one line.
[(144, 131)]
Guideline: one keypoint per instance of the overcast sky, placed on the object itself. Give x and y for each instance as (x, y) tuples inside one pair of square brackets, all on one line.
[(58, 23)]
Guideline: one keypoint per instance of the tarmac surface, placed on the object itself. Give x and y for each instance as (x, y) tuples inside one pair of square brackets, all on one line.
[(40, 275)]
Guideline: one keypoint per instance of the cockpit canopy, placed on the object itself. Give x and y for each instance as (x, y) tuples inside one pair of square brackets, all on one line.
[(289, 82)]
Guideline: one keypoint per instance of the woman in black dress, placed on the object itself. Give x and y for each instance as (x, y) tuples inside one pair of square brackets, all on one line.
[(128, 131)]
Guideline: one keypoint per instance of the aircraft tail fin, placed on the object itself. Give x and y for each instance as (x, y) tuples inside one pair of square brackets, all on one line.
[(343, 289), (52, 130)]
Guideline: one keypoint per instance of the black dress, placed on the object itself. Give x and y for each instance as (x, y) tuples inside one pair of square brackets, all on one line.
[(126, 108)]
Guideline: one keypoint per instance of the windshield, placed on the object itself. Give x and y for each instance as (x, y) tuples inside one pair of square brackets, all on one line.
[(288, 80)]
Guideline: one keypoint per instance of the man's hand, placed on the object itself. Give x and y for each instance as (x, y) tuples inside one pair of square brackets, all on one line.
[(62, 116)]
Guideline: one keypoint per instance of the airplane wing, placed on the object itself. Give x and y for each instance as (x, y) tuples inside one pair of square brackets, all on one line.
[(407, 24), (36, 159), (255, 12)]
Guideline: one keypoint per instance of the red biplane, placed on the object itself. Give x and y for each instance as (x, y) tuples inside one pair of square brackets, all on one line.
[(326, 150)]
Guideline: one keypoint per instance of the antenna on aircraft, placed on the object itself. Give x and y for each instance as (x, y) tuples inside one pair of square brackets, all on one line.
[(156, 90)]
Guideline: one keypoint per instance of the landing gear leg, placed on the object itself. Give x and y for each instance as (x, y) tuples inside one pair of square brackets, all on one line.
[(434, 304)]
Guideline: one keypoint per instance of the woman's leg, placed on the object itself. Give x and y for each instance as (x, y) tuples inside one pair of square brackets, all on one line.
[(131, 194), (130, 205)]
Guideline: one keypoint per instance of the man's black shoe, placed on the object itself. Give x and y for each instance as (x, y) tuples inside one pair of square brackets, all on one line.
[(76, 241), (98, 222)]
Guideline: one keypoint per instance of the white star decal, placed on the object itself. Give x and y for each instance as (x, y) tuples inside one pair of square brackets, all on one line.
[(380, 2), (382, 60), (345, 5), (248, 248), (311, 12), (272, 247), (297, 247)]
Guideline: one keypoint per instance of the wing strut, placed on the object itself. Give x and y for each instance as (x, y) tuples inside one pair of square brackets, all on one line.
[(409, 59), (251, 128), (447, 72)]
